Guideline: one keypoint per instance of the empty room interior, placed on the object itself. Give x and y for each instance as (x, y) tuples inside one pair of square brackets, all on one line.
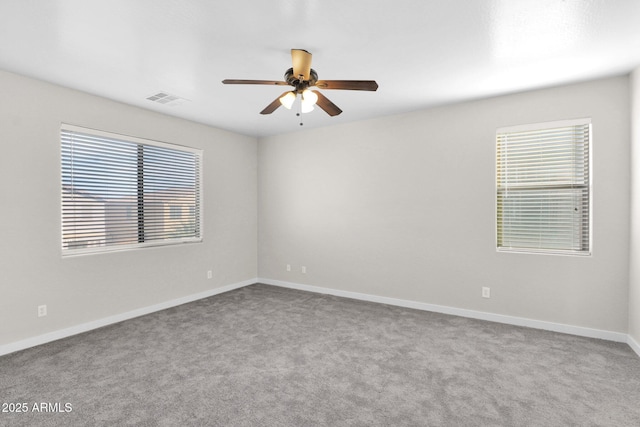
[(433, 218)]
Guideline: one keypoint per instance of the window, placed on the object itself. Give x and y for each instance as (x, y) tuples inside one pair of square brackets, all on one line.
[(121, 192), (543, 199)]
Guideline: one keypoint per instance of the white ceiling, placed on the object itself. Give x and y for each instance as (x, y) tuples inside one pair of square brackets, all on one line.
[(422, 53)]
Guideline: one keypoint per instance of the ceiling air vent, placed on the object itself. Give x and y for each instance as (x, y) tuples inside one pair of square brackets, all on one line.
[(166, 99)]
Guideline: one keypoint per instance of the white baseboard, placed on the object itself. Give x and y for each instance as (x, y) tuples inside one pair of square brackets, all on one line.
[(633, 344), (74, 330), (510, 320)]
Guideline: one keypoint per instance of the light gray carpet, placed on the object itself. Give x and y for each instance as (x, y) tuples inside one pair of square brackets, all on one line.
[(267, 356)]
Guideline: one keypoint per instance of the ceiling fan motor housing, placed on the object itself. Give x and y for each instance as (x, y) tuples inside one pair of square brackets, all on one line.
[(301, 85)]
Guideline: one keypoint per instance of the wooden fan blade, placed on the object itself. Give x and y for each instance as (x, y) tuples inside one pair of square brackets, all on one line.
[(328, 106), (253, 82), (301, 60), (370, 85), (274, 105)]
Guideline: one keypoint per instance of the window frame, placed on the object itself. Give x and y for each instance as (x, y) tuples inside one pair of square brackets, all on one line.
[(199, 157), (541, 127)]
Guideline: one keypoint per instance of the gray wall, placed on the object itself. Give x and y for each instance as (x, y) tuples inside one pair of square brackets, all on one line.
[(86, 288), (634, 280), (403, 207), (399, 206)]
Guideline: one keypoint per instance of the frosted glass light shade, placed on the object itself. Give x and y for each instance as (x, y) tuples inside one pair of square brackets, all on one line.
[(308, 101), (309, 96), (287, 100), (306, 107)]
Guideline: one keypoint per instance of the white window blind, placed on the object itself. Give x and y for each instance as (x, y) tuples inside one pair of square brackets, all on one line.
[(543, 188), (121, 192)]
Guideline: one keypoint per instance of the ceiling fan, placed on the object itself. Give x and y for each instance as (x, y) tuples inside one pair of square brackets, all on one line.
[(302, 77)]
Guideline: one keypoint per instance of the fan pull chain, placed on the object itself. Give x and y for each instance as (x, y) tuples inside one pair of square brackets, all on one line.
[(299, 113)]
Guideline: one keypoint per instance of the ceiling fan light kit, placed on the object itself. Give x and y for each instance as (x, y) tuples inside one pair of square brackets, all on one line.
[(302, 77)]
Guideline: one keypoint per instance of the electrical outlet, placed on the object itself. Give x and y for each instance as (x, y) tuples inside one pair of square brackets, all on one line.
[(486, 292), (304, 270), (209, 274), (288, 267), (42, 310)]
